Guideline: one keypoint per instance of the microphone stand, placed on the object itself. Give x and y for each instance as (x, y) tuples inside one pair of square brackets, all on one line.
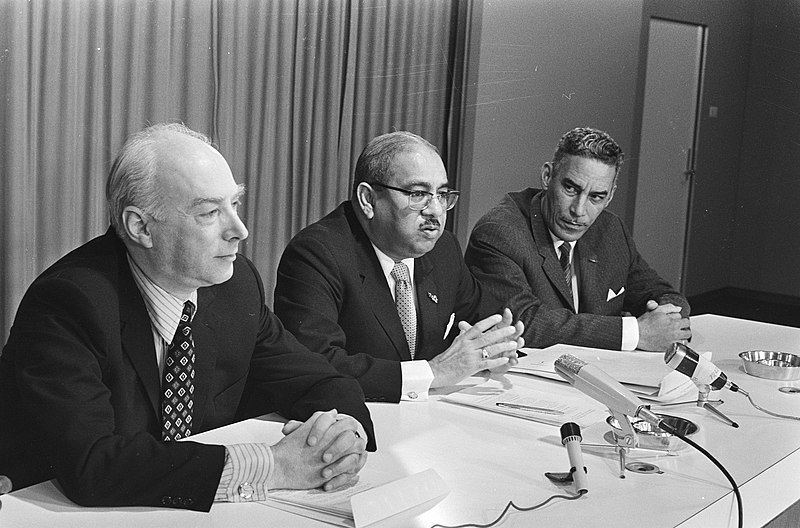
[(626, 441), (702, 401)]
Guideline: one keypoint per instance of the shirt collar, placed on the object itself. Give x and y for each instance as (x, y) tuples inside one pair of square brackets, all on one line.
[(387, 263), (163, 308)]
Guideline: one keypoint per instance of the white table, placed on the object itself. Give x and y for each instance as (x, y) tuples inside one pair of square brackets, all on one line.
[(488, 459)]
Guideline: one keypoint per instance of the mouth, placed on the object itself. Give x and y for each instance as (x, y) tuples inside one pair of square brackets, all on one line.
[(229, 258), (431, 228), (569, 224)]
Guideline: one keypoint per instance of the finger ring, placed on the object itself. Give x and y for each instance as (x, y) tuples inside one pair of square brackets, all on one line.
[(484, 353)]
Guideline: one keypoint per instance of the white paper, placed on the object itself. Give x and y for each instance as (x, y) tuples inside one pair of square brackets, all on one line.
[(644, 373), (570, 410)]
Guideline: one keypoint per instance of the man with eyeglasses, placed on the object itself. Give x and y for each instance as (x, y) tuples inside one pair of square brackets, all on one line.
[(569, 268), (381, 289)]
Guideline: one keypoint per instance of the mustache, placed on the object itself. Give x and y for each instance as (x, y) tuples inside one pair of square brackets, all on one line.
[(431, 223)]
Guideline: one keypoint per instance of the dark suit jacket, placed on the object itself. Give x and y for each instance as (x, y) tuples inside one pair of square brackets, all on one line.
[(331, 293), (511, 252), (80, 386)]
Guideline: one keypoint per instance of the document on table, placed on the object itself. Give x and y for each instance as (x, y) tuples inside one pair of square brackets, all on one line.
[(538, 406), (363, 504), (644, 373)]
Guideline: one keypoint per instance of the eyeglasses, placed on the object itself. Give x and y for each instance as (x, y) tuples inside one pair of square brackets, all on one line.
[(419, 200)]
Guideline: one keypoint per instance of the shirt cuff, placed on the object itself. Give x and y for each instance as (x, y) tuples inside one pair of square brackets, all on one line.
[(246, 473), (630, 333), (417, 379)]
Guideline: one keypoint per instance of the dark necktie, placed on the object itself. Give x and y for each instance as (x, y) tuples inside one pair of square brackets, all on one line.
[(404, 299), (177, 387), (565, 264)]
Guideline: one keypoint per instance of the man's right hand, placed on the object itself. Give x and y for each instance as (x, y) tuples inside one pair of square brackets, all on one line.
[(331, 460), (660, 326), (465, 356)]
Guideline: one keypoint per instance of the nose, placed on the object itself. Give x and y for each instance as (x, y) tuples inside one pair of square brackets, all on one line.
[(235, 228), (578, 206), (434, 207)]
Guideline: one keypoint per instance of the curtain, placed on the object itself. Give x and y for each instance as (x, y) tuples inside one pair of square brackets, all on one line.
[(289, 90)]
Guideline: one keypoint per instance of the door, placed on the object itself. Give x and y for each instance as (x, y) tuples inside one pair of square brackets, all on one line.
[(667, 156)]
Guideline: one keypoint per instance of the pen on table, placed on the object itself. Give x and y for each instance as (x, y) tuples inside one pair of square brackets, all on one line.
[(531, 408)]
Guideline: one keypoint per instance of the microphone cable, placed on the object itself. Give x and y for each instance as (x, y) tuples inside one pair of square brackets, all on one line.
[(778, 415), (508, 507), (671, 430)]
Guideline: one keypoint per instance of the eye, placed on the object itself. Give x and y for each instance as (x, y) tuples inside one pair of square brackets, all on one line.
[(597, 199), (418, 195), (236, 205), (210, 214)]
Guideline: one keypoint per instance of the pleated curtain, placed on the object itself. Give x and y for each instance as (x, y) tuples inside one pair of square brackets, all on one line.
[(289, 90)]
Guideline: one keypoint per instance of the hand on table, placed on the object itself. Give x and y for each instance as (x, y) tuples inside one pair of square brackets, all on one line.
[(495, 336), (662, 325), (327, 450)]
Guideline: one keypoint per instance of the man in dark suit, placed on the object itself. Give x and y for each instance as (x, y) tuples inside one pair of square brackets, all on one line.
[(585, 296), (94, 390), (377, 284)]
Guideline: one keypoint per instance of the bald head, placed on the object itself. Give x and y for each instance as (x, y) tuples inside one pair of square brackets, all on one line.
[(133, 178)]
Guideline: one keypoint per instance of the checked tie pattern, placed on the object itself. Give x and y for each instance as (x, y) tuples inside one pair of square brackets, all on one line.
[(404, 299), (177, 387), (566, 265)]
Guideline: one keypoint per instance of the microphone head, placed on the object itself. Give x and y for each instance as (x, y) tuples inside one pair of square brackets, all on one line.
[(568, 366), (570, 429)]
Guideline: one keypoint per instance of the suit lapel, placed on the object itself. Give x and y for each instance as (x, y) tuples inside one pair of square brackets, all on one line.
[(427, 303), (204, 328), (588, 269), (375, 288), (136, 336), (550, 264)]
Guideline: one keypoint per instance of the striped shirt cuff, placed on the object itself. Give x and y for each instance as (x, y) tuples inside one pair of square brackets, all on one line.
[(246, 473)]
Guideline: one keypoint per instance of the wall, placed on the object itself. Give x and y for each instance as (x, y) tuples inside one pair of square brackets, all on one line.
[(711, 240), (546, 66), (767, 233), (543, 67)]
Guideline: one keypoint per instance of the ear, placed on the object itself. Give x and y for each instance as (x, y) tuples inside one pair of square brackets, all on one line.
[(365, 195), (611, 194), (547, 174), (135, 222)]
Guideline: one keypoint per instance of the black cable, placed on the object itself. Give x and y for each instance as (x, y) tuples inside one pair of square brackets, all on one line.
[(509, 506), (671, 430)]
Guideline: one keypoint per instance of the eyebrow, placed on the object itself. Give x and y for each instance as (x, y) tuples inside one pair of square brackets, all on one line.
[(569, 181), (240, 190)]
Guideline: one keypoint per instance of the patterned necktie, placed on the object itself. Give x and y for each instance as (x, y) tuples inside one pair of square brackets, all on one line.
[(404, 299), (177, 387), (566, 265)]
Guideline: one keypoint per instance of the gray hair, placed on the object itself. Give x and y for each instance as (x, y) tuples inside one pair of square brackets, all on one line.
[(131, 180), (375, 162), (589, 143)]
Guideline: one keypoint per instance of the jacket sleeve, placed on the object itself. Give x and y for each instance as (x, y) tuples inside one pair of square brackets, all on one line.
[(509, 264), (287, 377), (62, 359), (309, 296)]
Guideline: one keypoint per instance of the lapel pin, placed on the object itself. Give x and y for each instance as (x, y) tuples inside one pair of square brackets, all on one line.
[(433, 297)]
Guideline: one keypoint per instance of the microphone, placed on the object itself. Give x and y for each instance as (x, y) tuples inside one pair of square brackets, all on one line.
[(571, 439), (595, 383), (702, 371)]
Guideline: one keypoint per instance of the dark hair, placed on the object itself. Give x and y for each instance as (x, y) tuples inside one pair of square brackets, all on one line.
[(588, 143), (375, 162)]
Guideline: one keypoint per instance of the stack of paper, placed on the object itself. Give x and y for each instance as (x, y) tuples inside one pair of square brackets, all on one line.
[(537, 406), (644, 373)]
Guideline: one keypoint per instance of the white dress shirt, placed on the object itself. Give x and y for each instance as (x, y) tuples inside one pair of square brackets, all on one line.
[(630, 326), (248, 467), (417, 374)]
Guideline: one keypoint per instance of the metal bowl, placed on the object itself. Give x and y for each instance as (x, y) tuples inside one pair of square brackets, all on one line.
[(771, 365), (651, 437)]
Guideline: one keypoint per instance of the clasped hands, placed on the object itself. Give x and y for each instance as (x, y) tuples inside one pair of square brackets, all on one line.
[(662, 325), (327, 450), (490, 344)]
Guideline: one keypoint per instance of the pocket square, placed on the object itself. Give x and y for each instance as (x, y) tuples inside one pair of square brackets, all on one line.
[(611, 293), (449, 324)]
